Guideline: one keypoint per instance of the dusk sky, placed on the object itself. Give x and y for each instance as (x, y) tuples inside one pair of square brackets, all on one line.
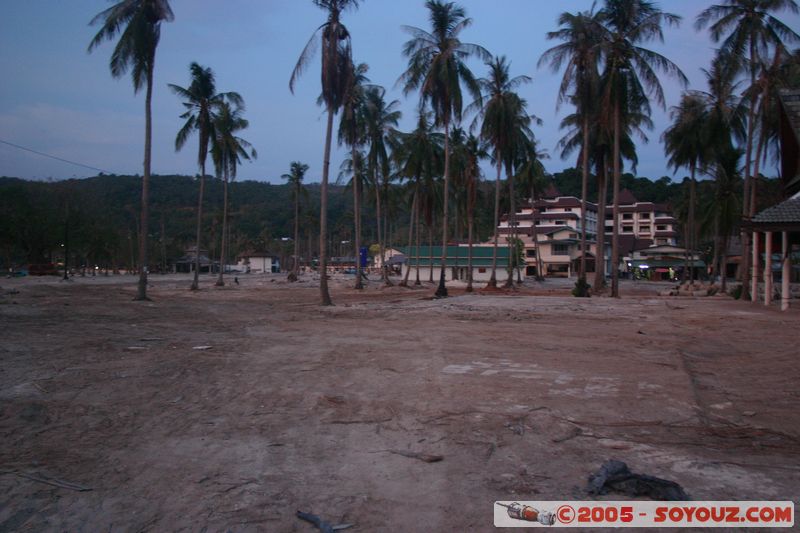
[(58, 99)]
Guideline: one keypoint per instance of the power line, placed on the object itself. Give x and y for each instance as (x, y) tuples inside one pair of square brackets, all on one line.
[(54, 157)]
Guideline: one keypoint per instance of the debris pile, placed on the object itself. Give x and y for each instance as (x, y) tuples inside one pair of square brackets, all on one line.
[(615, 476), (695, 288)]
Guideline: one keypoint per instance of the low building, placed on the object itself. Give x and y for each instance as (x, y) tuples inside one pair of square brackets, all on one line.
[(663, 263), (258, 263), (187, 262), (426, 258)]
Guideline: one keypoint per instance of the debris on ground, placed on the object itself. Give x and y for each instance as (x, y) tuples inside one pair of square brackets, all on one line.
[(425, 457), (615, 476), (321, 524)]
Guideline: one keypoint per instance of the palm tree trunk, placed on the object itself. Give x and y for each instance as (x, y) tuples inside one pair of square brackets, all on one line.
[(744, 235), (724, 264), (148, 141), (615, 234), (535, 236), (357, 218), (387, 245), (430, 251), (441, 291), (512, 216), (417, 282), (404, 283), (692, 229), (325, 297), (223, 246), (296, 259), (455, 233), (584, 193), (470, 224), (493, 277), (378, 222), (600, 259), (196, 282), (756, 170)]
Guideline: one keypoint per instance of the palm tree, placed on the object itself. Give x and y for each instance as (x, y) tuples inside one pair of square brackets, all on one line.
[(503, 114), (294, 178), (436, 66), (227, 152), (531, 175), (721, 212), (773, 77), (748, 29), (337, 73), (580, 51), (475, 152), (139, 23), (420, 159), (352, 134), (628, 77), (200, 101), (380, 120), (686, 146)]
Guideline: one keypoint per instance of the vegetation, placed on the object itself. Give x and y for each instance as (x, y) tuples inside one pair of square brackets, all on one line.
[(337, 73), (437, 68), (202, 104), (139, 23), (431, 177)]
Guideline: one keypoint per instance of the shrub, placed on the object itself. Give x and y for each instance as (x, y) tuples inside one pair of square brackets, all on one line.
[(581, 289)]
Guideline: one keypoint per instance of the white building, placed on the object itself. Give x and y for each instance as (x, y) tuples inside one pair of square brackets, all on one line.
[(258, 263)]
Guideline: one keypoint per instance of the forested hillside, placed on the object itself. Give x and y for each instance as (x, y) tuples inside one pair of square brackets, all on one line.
[(99, 216)]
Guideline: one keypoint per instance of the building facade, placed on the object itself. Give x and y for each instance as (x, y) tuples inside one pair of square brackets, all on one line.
[(550, 232)]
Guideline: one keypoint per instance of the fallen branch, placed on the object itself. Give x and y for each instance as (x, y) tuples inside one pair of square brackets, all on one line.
[(41, 478), (368, 421), (427, 458)]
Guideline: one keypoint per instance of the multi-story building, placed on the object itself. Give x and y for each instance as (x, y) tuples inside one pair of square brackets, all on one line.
[(643, 221), (554, 222)]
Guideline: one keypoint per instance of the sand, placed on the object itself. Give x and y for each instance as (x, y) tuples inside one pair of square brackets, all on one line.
[(230, 409)]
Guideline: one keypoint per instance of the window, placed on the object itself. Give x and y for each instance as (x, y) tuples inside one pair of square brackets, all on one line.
[(661, 227), (644, 229), (568, 210), (661, 241), (482, 270), (627, 229), (573, 235), (560, 223), (627, 216), (560, 249), (530, 253), (644, 216), (609, 216)]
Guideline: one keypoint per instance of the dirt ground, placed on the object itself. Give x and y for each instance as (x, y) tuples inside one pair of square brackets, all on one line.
[(229, 409)]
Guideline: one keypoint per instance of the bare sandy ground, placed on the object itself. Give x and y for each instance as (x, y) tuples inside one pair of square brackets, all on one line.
[(292, 406)]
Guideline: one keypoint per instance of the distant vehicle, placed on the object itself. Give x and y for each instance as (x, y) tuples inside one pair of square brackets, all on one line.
[(42, 269)]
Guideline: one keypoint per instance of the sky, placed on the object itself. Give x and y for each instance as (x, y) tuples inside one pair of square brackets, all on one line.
[(60, 100)]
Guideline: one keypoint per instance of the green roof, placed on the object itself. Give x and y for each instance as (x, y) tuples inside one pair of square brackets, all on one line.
[(481, 255)]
